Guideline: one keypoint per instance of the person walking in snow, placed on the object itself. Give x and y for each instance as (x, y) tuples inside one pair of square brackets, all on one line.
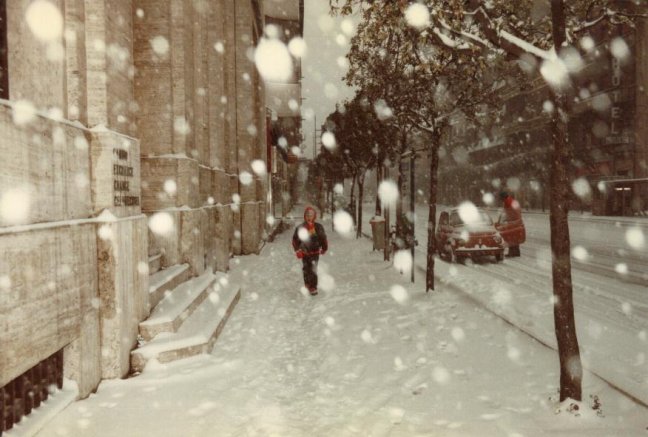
[(513, 213), (309, 242)]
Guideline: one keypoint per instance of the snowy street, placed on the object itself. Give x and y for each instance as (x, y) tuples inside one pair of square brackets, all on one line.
[(611, 308), (370, 355), (171, 170)]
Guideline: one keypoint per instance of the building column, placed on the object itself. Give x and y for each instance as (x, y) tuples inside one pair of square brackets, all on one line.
[(640, 170)]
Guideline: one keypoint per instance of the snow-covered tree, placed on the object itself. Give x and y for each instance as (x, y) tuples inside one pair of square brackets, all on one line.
[(541, 35), (415, 80)]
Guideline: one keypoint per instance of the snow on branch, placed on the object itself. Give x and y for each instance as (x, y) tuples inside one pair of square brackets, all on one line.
[(527, 46), (505, 40), (445, 39), (469, 36)]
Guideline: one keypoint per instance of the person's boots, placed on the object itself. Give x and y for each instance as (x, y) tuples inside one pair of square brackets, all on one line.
[(312, 290)]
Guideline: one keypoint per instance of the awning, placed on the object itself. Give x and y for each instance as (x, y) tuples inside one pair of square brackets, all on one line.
[(623, 181)]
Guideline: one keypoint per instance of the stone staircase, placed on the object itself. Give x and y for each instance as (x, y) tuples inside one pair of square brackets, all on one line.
[(188, 314)]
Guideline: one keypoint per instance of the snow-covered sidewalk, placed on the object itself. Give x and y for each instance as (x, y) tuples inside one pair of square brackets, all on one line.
[(611, 312), (370, 355)]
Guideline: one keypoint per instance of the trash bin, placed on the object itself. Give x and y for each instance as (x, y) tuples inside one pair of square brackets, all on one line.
[(378, 232)]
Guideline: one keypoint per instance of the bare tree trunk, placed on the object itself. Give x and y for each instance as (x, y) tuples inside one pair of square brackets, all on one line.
[(431, 228), (571, 372), (399, 203), (353, 183), (379, 169), (360, 198)]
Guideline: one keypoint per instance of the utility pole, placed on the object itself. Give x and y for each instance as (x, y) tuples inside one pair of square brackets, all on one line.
[(412, 210), (314, 137)]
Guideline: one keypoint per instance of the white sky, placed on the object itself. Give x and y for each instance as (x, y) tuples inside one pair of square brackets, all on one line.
[(323, 83)]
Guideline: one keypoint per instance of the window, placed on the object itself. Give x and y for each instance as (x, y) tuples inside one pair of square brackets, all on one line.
[(455, 220), (443, 219), (4, 52)]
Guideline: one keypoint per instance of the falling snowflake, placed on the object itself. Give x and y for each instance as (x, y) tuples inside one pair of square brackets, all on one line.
[(441, 375), (417, 15), (513, 353), (303, 235), (326, 282), (580, 253), (635, 238), (399, 294), (15, 205), (367, 337), (259, 167), (45, 20), (469, 213), (626, 308), (273, 60), (548, 106), (297, 47), (502, 297), (5, 282), (343, 223), (621, 268), (347, 27), (160, 45), (587, 43), (181, 126), (619, 49), (24, 112), (403, 261), (170, 187), (143, 268), (161, 223), (581, 188), (555, 73), (388, 192), (246, 178), (328, 140)]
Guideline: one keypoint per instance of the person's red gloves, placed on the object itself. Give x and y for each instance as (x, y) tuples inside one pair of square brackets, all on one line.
[(300, 254), (322, 251)]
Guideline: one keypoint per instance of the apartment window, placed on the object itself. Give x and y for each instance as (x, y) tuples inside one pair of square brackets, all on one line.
[(4, 52)]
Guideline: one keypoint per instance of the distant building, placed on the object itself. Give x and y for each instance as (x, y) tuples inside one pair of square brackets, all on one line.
[(607, 129)]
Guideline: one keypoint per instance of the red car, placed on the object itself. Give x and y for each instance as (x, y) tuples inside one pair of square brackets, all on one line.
[(458, 238), (511, 228)]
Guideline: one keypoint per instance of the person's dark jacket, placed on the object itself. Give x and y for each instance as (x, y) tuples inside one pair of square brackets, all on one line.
[(312, 240)]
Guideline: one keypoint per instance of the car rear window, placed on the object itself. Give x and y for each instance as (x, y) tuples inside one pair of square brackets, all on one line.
[(484, 218)]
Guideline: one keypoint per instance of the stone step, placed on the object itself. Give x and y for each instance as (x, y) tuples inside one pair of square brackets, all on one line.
[(154, 263), (176, 306), (166, 280), (196, 335)]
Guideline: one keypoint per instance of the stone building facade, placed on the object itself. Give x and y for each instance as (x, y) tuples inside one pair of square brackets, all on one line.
[(128, 129)]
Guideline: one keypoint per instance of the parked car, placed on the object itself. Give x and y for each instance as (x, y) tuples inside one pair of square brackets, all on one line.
[(511, 228), (458, 238)]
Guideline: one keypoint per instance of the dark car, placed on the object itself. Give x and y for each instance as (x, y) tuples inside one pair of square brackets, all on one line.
[(511, 228), (475, 236)]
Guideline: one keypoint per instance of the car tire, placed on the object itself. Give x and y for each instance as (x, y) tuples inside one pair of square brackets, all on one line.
[(499, 257)]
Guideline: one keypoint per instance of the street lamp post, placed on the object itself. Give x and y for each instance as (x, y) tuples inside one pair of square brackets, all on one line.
[(412, 155)]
